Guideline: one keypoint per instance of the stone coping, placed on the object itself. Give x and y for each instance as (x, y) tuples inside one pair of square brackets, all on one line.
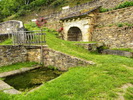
[(118, 52), (6, 87), (27, 47), (14, 72)]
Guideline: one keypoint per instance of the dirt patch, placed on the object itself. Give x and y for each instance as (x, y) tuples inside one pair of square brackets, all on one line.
[(124, 89)]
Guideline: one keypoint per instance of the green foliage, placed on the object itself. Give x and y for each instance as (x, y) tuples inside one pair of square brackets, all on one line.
[(128, 24), (21, 12), (31, 26), (123, 49), (120, 25), (57, 3), (16, 66), (129, 94), (125, 4), (7, 42), (22, 7), (103, 10)]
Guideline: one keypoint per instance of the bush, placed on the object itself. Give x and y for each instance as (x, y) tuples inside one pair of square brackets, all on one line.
[(21, 12), (120, 25), (103, 10)]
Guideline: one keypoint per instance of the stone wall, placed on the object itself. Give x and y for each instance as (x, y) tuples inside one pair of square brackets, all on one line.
[(108, 31), (88, 5), (124, 15), (12, 54), (85, 25), (11, 26), (53, 18), (115, 37), (55, 58), (118, 52), (63, 61)]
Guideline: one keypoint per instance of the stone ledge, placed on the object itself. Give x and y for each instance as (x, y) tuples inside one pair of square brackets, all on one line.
[(118, 52), (7, 88), (4, 86), (36, 47), (90, 46), (12, 91), (22, 70)]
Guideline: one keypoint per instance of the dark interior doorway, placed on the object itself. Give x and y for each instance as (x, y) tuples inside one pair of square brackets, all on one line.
[(74, 34)]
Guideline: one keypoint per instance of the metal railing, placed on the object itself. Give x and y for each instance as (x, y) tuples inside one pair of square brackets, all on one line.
[(27, 37)]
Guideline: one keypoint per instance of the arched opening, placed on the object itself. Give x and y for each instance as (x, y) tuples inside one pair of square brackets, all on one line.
[(74, 34)]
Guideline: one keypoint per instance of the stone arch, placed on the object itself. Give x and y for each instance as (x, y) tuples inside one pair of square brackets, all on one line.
[(74, 34)]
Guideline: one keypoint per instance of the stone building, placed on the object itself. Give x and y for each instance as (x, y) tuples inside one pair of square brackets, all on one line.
[(78, 26)]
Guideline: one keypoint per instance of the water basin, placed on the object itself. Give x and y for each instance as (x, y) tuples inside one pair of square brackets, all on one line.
[(32, 79)]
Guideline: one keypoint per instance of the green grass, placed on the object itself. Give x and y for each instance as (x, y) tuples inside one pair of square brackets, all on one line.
[(129, 94), (7, 42), (123, 49), (16, 66), (97, 82)]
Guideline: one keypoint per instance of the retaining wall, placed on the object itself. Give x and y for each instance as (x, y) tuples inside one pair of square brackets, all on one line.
[(14, 54), (114, 37), (114, 17), (108, 31)]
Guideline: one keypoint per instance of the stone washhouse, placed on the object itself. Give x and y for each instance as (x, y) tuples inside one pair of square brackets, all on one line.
[(79, 25)]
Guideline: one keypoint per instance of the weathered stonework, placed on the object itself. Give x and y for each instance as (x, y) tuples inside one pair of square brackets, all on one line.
[(7, 88), (79, 27), (12, 54), (115, 37), (63, 61), (19, 71), (11, 26), (90, 46), (118, 52), (124, 15), (108, 32), (55, 58)]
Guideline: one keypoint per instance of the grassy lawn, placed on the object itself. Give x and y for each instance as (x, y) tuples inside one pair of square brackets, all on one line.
[(107, 80), (16, 66)]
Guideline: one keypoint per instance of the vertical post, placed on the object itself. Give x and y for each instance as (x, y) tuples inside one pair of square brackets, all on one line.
[(41, 53), (13, 38)]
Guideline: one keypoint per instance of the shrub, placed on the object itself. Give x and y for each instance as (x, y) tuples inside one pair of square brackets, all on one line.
[(103, 10), (120, 25)]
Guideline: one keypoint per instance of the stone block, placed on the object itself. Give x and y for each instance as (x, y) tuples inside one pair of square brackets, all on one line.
[(117, 52)]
